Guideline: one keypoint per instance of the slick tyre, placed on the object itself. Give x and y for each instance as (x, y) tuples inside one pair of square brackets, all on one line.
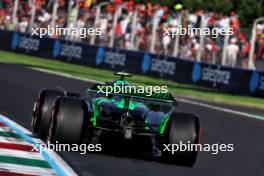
[(182, 128), (42, 112), (67, 120)]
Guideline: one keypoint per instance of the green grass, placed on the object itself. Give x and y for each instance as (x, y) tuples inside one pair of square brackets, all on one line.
[(106, 75)]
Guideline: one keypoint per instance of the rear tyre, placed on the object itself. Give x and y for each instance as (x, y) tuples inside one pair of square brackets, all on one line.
[(42, 112), (182, 128), (67, 120)]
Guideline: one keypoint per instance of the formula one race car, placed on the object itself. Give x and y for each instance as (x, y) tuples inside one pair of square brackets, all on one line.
[(143, 121)]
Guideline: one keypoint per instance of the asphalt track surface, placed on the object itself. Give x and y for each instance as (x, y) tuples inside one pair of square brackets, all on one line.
[(19, 87)]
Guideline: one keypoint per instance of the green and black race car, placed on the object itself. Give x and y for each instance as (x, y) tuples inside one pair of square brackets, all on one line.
[(145, 122)]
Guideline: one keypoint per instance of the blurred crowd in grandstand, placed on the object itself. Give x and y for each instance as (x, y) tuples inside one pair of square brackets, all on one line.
[(83, 14)]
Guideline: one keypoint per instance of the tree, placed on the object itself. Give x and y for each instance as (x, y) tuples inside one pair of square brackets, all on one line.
[(247, 10)]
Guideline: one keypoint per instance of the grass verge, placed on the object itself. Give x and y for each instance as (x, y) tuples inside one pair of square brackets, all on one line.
[(106, 75)]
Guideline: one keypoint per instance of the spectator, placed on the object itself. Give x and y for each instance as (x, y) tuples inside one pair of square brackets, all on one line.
[(232, 53), (23, 25), (260, 53), (147, 13), (245, 48)]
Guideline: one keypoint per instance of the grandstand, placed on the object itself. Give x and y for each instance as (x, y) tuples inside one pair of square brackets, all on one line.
[(138, 25)]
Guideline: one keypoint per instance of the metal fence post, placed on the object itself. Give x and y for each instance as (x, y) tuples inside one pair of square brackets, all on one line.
[(201, 41), (177, 40), (14, 13), (226, 40), (97, 17), (54, 13), (251, 64), (134, 28), (153, 39), (33, 12), (116, 16)]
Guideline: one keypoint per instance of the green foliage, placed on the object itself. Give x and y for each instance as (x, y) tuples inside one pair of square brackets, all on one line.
[(247, 10)]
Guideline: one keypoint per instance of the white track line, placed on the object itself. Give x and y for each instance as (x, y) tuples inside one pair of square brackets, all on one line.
[(221, 109), (65, 75), (179, 99)]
